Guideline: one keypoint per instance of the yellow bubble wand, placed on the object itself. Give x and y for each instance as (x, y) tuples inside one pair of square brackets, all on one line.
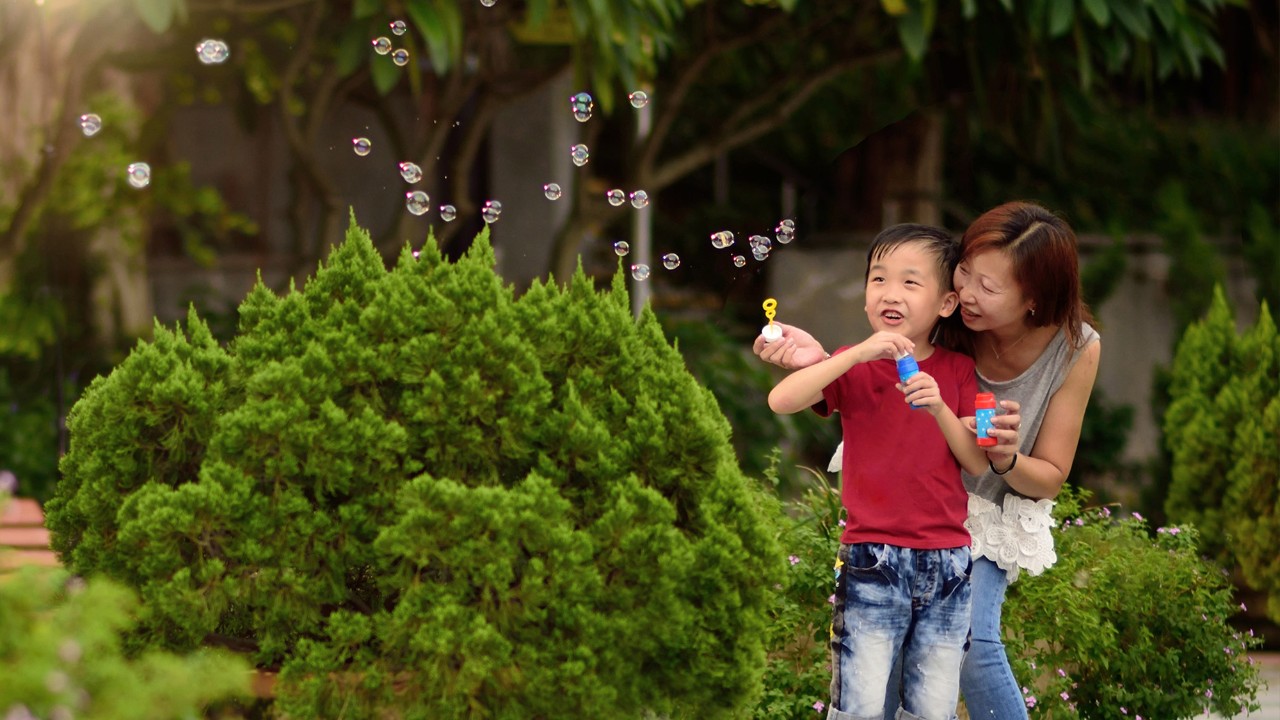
[(771, 331)]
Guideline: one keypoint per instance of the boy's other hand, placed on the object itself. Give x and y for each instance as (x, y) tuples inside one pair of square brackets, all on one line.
[(885, 345), (922, 391), (794, 350)]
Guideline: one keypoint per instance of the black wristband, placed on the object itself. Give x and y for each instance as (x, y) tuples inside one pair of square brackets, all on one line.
[(1006, 470)]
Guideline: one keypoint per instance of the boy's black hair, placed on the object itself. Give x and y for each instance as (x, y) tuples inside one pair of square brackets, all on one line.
[(941, 243)]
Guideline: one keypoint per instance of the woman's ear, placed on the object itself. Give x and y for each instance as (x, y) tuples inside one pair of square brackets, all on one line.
[(949, 304)]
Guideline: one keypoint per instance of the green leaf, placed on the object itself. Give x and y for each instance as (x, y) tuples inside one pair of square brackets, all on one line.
[(1134, 17), (1061, 15), (969, 9), (1099, 10), (362, 9), (428, 17), (385, 74), (913, 30), (352, 49), (157, 14)]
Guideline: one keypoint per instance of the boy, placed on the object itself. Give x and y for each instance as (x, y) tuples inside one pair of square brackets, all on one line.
[(903, 569)]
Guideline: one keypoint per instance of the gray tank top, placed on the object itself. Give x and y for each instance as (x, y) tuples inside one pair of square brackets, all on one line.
[(1033, 390)]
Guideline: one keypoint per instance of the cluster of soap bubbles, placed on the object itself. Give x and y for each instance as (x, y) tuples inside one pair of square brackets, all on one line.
[(210, 52), (382, 44), (418, 202), (760, 245), (581, 105), (491, 210), (640, 271)]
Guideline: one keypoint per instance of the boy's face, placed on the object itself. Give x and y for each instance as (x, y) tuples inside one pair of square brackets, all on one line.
[(906, 293)]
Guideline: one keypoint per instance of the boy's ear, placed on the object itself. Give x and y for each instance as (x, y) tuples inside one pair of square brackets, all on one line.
[(949, 304)]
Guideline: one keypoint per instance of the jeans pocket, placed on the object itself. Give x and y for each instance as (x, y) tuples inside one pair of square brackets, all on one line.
[(960, 569)]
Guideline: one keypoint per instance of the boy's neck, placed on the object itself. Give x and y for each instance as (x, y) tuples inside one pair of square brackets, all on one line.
[(923, 350)]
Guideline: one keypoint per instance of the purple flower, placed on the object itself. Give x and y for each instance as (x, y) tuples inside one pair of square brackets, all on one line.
[(1123, 711), (8, 482), (1136, 516), (1079, 522), (1208, 693), (1244, 609), (841, 523), (831, 600), (793, 559), (819, 706), (1064, 695), (1031, 701), (1062, 673)]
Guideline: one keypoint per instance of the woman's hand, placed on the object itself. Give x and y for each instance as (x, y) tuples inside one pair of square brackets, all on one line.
[(794, 350), (1005, 428)]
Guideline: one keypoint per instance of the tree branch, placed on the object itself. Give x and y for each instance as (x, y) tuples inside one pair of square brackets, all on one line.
[(702, 154)]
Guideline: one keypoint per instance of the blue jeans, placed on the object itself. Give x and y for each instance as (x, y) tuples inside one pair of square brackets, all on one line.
[(986, 680), (892, 601)]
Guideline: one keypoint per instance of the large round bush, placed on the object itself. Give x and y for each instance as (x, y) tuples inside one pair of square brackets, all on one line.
[(419, 496)]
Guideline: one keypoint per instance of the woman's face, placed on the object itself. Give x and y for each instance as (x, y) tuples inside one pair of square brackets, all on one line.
[(989, 296)]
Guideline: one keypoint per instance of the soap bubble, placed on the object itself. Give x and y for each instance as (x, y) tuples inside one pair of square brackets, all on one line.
[(640, 271), (382, 45), (789, 224), (212, 52), (490, 214), (398, 27), (90, 124), (582, 105), (400, 57), (361, 146), (616, 197), (494, 205), (638, 99), (671, 261), (139, 174), (621, 248), (448, 213), (760, 255), (552, 191), (783, 235), (410, 172), (639, 199), (488, 3), (739, 261), (722, 239), (760, 242), (580, 154), (417, 202)]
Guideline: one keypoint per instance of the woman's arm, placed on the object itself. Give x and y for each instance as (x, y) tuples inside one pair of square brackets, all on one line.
[(1041, 474)]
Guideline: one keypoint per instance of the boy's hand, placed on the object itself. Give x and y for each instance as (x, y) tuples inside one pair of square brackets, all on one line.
[(886, 345), (922, 391)]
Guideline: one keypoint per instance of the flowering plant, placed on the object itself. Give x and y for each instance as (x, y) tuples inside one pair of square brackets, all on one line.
[(1128, 623)]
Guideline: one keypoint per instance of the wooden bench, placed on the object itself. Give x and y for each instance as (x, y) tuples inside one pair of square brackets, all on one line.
[(24, 540)]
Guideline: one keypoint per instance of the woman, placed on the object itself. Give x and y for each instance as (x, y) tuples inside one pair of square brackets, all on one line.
[(1028, 329)]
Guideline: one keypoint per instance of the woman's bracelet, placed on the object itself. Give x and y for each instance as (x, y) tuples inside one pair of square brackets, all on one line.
[(1006, 470)]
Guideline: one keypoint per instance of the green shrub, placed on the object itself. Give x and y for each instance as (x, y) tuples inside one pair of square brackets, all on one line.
[(797, 679), (1127, 623), (417, 495), (61, 656), (1222, 429)]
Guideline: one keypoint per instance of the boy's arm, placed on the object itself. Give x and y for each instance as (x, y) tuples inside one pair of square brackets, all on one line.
[(922, 391), (803, 388)]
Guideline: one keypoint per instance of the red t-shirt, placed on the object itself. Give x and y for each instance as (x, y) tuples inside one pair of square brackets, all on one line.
[(901, 483)]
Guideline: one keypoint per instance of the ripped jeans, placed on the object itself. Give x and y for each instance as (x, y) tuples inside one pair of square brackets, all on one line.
[(894, 601)]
